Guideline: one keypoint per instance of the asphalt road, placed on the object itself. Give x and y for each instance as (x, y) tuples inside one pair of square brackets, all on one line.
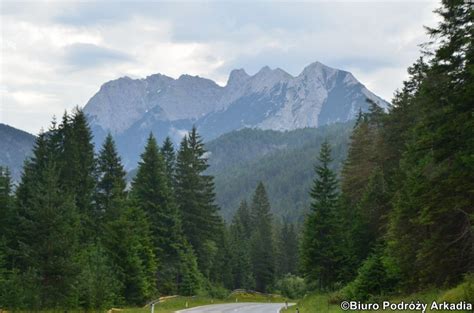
[(237, 308)]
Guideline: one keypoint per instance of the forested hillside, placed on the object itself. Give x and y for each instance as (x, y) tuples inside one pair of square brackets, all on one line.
[(402, 218), (74, 236), (282, 160), (15, 146), (398, 218)]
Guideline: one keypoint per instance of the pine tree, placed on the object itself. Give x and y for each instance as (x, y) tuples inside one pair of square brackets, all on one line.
[(319, 246), (195, 197), (240, 262), (133, 258), (431, 221), (98, 286), (189, 277), (110, 190), (365, 153), (151, 191), (7, 215), (77, 167), (167, 150), (287, 247), (7, 238), (129, 243), (48, 222), (242, 216), (262, 245)]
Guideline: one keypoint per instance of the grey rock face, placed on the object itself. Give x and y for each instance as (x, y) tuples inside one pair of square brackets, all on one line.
[(271, 99)]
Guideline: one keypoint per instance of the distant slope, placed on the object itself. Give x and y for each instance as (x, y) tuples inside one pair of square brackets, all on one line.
[(284, 161), (15, 146)]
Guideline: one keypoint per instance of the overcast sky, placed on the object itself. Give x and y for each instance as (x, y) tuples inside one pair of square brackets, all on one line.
[(56, 55)]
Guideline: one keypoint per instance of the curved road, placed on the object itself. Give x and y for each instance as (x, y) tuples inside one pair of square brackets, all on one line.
[(237, 308)]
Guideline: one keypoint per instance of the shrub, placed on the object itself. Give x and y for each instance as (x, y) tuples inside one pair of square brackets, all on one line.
[(292, 286), (462, 292), (217, 292), (372, 281)]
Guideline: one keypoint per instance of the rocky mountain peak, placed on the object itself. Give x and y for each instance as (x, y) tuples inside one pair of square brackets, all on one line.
[(269, 99), (237, 77)]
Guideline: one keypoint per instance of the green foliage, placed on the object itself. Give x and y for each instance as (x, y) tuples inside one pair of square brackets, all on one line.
[(319, 242), (262, 247), (190, 279), (372, 280), (129, 244), (402, 220), (291, 286), (110, 189), (240, 262), (195, 196), (241, 159), (462, 292), (286, 250), (48, 222), (167, 150), (430, 232), (72, 149), (152, 192), (97, 284)]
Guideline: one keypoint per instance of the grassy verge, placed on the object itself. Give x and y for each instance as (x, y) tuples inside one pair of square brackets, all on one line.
[(321, 302), (179, 303), (175, 304)]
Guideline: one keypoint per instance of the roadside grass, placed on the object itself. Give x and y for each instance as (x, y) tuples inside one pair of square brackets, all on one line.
[(179, 303), (322, 303), (172, 305)]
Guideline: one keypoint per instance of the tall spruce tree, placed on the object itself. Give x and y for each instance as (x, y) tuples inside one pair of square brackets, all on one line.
[(167, 150), (7, 215), (77, 167), (240, 262), (319, 243), (129, 243), (434, 218), (151, 191), (287, 247), (243, 217), (262, 247), (195, 197), (130, 264), (110, 190), (48, 222)]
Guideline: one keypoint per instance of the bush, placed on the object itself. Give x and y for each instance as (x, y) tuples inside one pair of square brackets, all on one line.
[(217, 292), (291, 286), (372, 281), (336, 297), (462, 292)]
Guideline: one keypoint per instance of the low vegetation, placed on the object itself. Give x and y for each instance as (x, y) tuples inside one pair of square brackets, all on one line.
[(330, 302)]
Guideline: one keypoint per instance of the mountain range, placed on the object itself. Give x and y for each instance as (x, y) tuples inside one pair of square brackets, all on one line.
[(265, 127), (271, 99)]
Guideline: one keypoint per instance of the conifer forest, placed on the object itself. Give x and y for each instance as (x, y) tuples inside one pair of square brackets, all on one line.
[(389, 214)]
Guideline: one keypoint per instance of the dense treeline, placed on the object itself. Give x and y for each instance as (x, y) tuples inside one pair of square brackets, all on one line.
[(281, 160), (74, 235), (401, 217), (398, 219)]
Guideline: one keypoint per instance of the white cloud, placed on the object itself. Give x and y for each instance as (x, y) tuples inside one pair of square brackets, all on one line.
[(55, 55)]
